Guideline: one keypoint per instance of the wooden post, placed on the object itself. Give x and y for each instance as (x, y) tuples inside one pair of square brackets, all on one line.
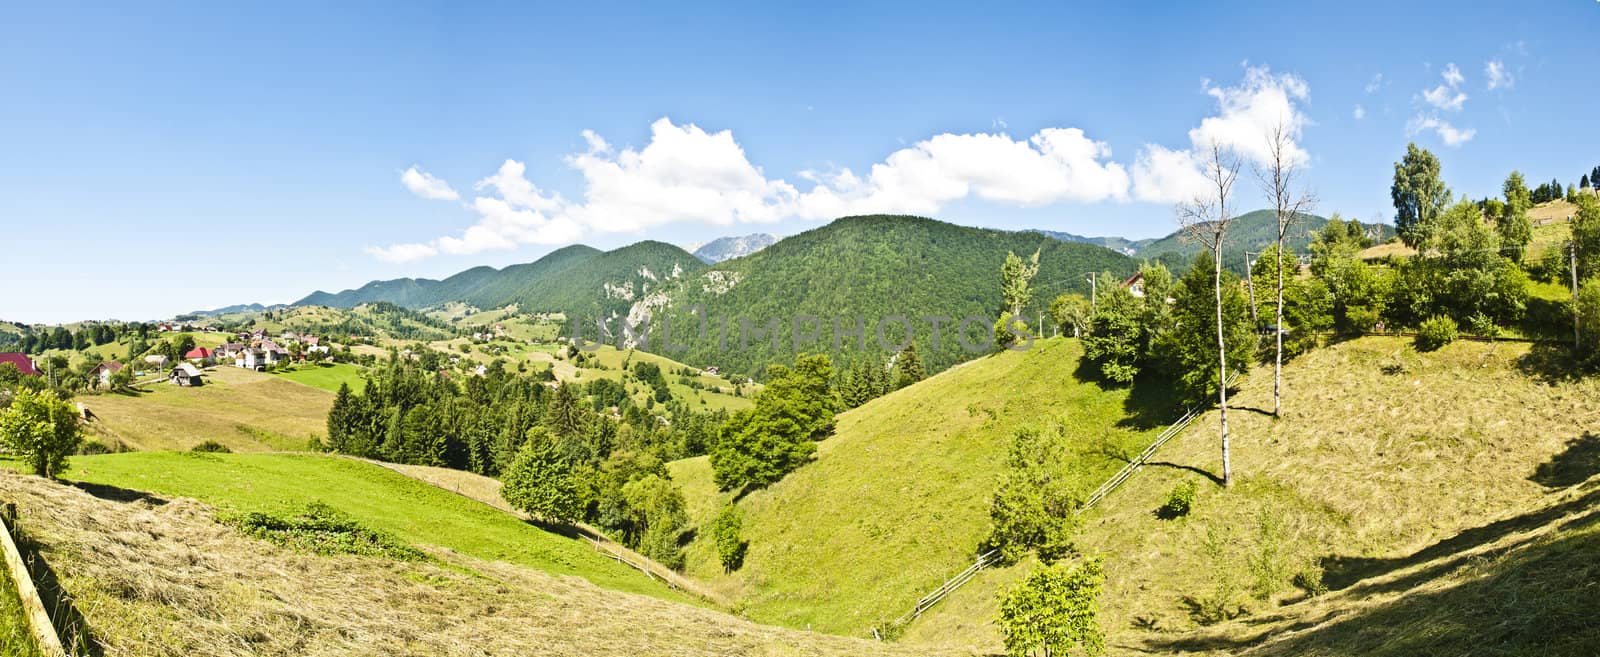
[(44, 632)]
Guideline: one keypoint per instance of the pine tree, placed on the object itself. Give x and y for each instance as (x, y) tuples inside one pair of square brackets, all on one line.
[(908, 367), (339, 420)]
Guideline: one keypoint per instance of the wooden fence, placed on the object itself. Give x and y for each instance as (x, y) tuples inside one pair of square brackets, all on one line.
[(44, 631), (949, 586), (624, 560), (1138, 462)]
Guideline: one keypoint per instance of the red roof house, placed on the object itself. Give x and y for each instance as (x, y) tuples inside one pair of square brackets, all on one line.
[(198, 353), (23, 363)]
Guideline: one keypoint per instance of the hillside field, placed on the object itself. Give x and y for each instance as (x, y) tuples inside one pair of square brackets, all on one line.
[(244, 410), (1385, 458), (898, 499), (159, 576), (327, 376)]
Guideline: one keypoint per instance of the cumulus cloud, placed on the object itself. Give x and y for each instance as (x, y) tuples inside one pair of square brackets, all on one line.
[(423, 184), (1359, 113), (1447, 97), (688, 174), (1246, 113), (1054, 165), (1497, 75), (1451, 135), (685, 173)]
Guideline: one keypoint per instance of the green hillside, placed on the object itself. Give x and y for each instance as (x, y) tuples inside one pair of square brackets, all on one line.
[(475, 283), (410, 510), (1412, 486), (1252, 231), (1389, 473), (606, 283), (871, 267), (897, 500)]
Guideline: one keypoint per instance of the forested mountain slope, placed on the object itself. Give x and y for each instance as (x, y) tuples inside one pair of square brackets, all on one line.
[(476, 283), (871, 268)]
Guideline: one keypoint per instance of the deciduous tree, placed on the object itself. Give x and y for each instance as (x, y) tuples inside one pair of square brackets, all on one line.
[(42, 428), (1418, 194), (1054, 611)]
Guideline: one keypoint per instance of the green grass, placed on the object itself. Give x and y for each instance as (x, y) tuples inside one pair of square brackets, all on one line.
[(1381, 453), (898, 500), (327, 376), (15, 638), (409, 510)]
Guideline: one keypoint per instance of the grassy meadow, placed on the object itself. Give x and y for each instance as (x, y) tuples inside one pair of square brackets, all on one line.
[(1384, 457), (327, 376), (898, 499), (162, 577), (244, 410), (411, 510), (16, 640)]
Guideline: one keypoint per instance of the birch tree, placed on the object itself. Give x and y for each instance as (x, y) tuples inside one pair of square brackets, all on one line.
[(1205, 220), (1279, 178)]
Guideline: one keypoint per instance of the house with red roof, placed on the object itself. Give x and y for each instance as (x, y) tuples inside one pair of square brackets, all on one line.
[(22, 361), (200, 354)]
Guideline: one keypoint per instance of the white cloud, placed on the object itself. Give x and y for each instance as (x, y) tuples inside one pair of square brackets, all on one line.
[(1498, 76), (1451, 135), (1360, 112), (1376, 84), (686, 174), (1057, 164), (1245, 115), (423, 184), (1452, 74), (1445, 97)]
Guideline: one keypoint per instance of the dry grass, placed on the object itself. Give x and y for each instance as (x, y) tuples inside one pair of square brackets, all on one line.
[(1386, 249), (1381, 453), (158, 578), (247, 411)]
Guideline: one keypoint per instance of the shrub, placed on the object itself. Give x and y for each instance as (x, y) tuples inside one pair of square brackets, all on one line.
[(212, 447), (1179, 501), (727, 530), (1481, 324), (321, 529), (1309, 579), (1053, 610), (1435, 332)]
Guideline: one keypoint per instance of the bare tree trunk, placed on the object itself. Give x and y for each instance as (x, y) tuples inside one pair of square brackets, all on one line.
[(1277, 331), (1222, 367)]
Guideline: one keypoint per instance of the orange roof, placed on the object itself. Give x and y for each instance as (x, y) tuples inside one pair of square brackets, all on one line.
[(198, 352)]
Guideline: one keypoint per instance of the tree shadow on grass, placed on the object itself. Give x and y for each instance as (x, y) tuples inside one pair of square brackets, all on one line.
[(1534, 597), (1341, 572), (1574, 465), (69, 623), (116, 494), (1550, 362)]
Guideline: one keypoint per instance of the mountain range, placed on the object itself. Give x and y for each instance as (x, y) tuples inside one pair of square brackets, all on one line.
[(728, 248), (1250, 232), (867, 267)]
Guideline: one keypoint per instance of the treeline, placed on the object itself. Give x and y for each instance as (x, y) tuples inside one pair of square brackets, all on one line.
[(1553, 190), (91, 335), (599, 457), (1471, 274)]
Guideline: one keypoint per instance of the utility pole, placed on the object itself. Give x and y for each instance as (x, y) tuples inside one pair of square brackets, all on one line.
[(1092, 295), (1250, 285)]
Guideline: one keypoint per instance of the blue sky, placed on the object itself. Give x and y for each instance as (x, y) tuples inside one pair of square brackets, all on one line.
[(159, 160)]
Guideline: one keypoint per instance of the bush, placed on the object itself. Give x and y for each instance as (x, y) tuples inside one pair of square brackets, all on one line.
[(211, 447), (1435, 332), (42, 428), (727, 530), (321, 529), (1053, 610), (1179, 501)]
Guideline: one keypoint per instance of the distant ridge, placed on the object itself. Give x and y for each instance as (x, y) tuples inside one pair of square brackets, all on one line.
[(728, 248)]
